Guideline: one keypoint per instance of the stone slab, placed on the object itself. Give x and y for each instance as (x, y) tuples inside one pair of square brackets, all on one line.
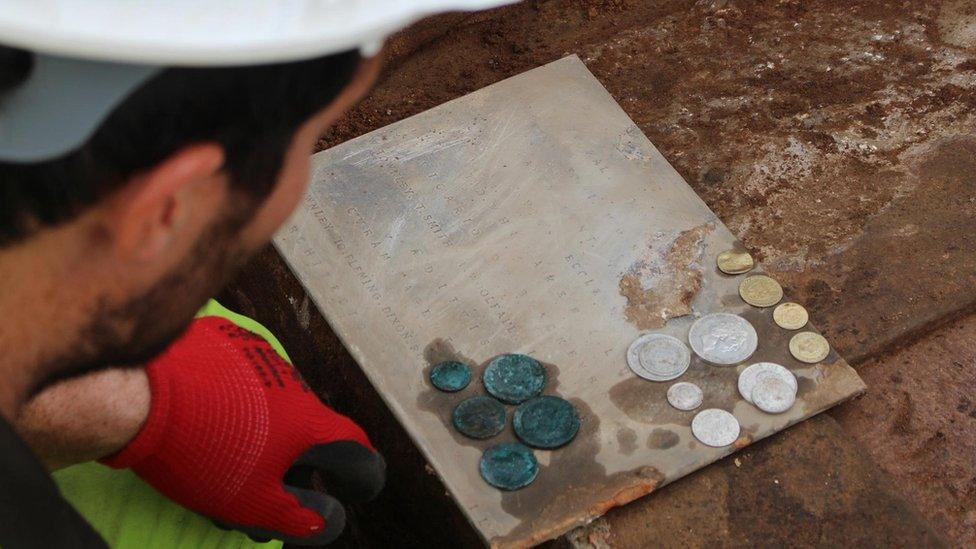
[(533, 216)]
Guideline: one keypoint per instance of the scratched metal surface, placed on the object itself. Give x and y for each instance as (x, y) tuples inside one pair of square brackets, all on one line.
[(533, 216)]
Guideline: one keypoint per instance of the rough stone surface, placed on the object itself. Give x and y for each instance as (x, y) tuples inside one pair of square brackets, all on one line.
[(919, 424), (836, 139)]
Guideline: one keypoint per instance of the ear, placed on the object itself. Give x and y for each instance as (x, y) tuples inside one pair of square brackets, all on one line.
[(156, 204)]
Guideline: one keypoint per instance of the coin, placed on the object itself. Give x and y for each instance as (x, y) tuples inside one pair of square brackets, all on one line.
[(479, 417), (790, 316), (760, 291), (450, 376), (773, 395), (658, 357), (809, 347), (714, 427), (734, 262), (546, 422), (723, 338), (751, 376), (685, 396), (514, 378), (508, 466)]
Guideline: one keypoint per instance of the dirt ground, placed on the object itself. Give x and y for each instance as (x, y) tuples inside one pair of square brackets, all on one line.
[(918, 423), (835, 138)]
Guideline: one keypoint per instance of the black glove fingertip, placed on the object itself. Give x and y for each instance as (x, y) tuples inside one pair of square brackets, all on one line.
[(327, 507), (351, 471)]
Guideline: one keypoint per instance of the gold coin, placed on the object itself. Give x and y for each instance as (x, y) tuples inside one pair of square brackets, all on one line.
[(733, 262), (790, 316), (760, 291), (809, 347)]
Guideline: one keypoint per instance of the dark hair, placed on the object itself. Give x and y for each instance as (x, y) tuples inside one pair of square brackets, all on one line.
[(252, 111)]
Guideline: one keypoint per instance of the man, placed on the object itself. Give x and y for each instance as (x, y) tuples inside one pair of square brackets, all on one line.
[(142, 161)]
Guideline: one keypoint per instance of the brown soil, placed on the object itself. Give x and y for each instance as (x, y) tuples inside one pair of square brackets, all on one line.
[(919, 422)]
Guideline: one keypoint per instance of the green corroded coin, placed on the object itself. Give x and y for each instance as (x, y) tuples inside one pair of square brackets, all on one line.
[(546, 422), (450, 376), (508, 466), (514, 378), (479, 417)]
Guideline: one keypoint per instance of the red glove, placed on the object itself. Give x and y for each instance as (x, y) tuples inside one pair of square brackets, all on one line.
[(229, 419)]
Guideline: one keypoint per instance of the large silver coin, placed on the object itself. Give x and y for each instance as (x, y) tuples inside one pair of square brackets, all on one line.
[(751, 376), (685, 396), (658, 357), (773, 395), (723, 338), (714, 427)]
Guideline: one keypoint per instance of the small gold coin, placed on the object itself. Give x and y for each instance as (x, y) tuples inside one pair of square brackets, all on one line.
[(760, 291), (733, 262), (790, 316), (809, 347)]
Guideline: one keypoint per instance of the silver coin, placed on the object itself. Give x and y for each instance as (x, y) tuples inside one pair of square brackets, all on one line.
[(773, 395), (723, 338), (751, 375), (714, 427), (685, 396), (658, 357)]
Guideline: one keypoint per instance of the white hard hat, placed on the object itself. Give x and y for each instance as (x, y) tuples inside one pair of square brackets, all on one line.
[(90, 54)]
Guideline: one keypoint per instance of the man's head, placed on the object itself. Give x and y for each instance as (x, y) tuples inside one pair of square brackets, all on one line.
[(183, 181)]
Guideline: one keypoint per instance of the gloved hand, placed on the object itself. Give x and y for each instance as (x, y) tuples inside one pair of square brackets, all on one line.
[(229, 419)]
